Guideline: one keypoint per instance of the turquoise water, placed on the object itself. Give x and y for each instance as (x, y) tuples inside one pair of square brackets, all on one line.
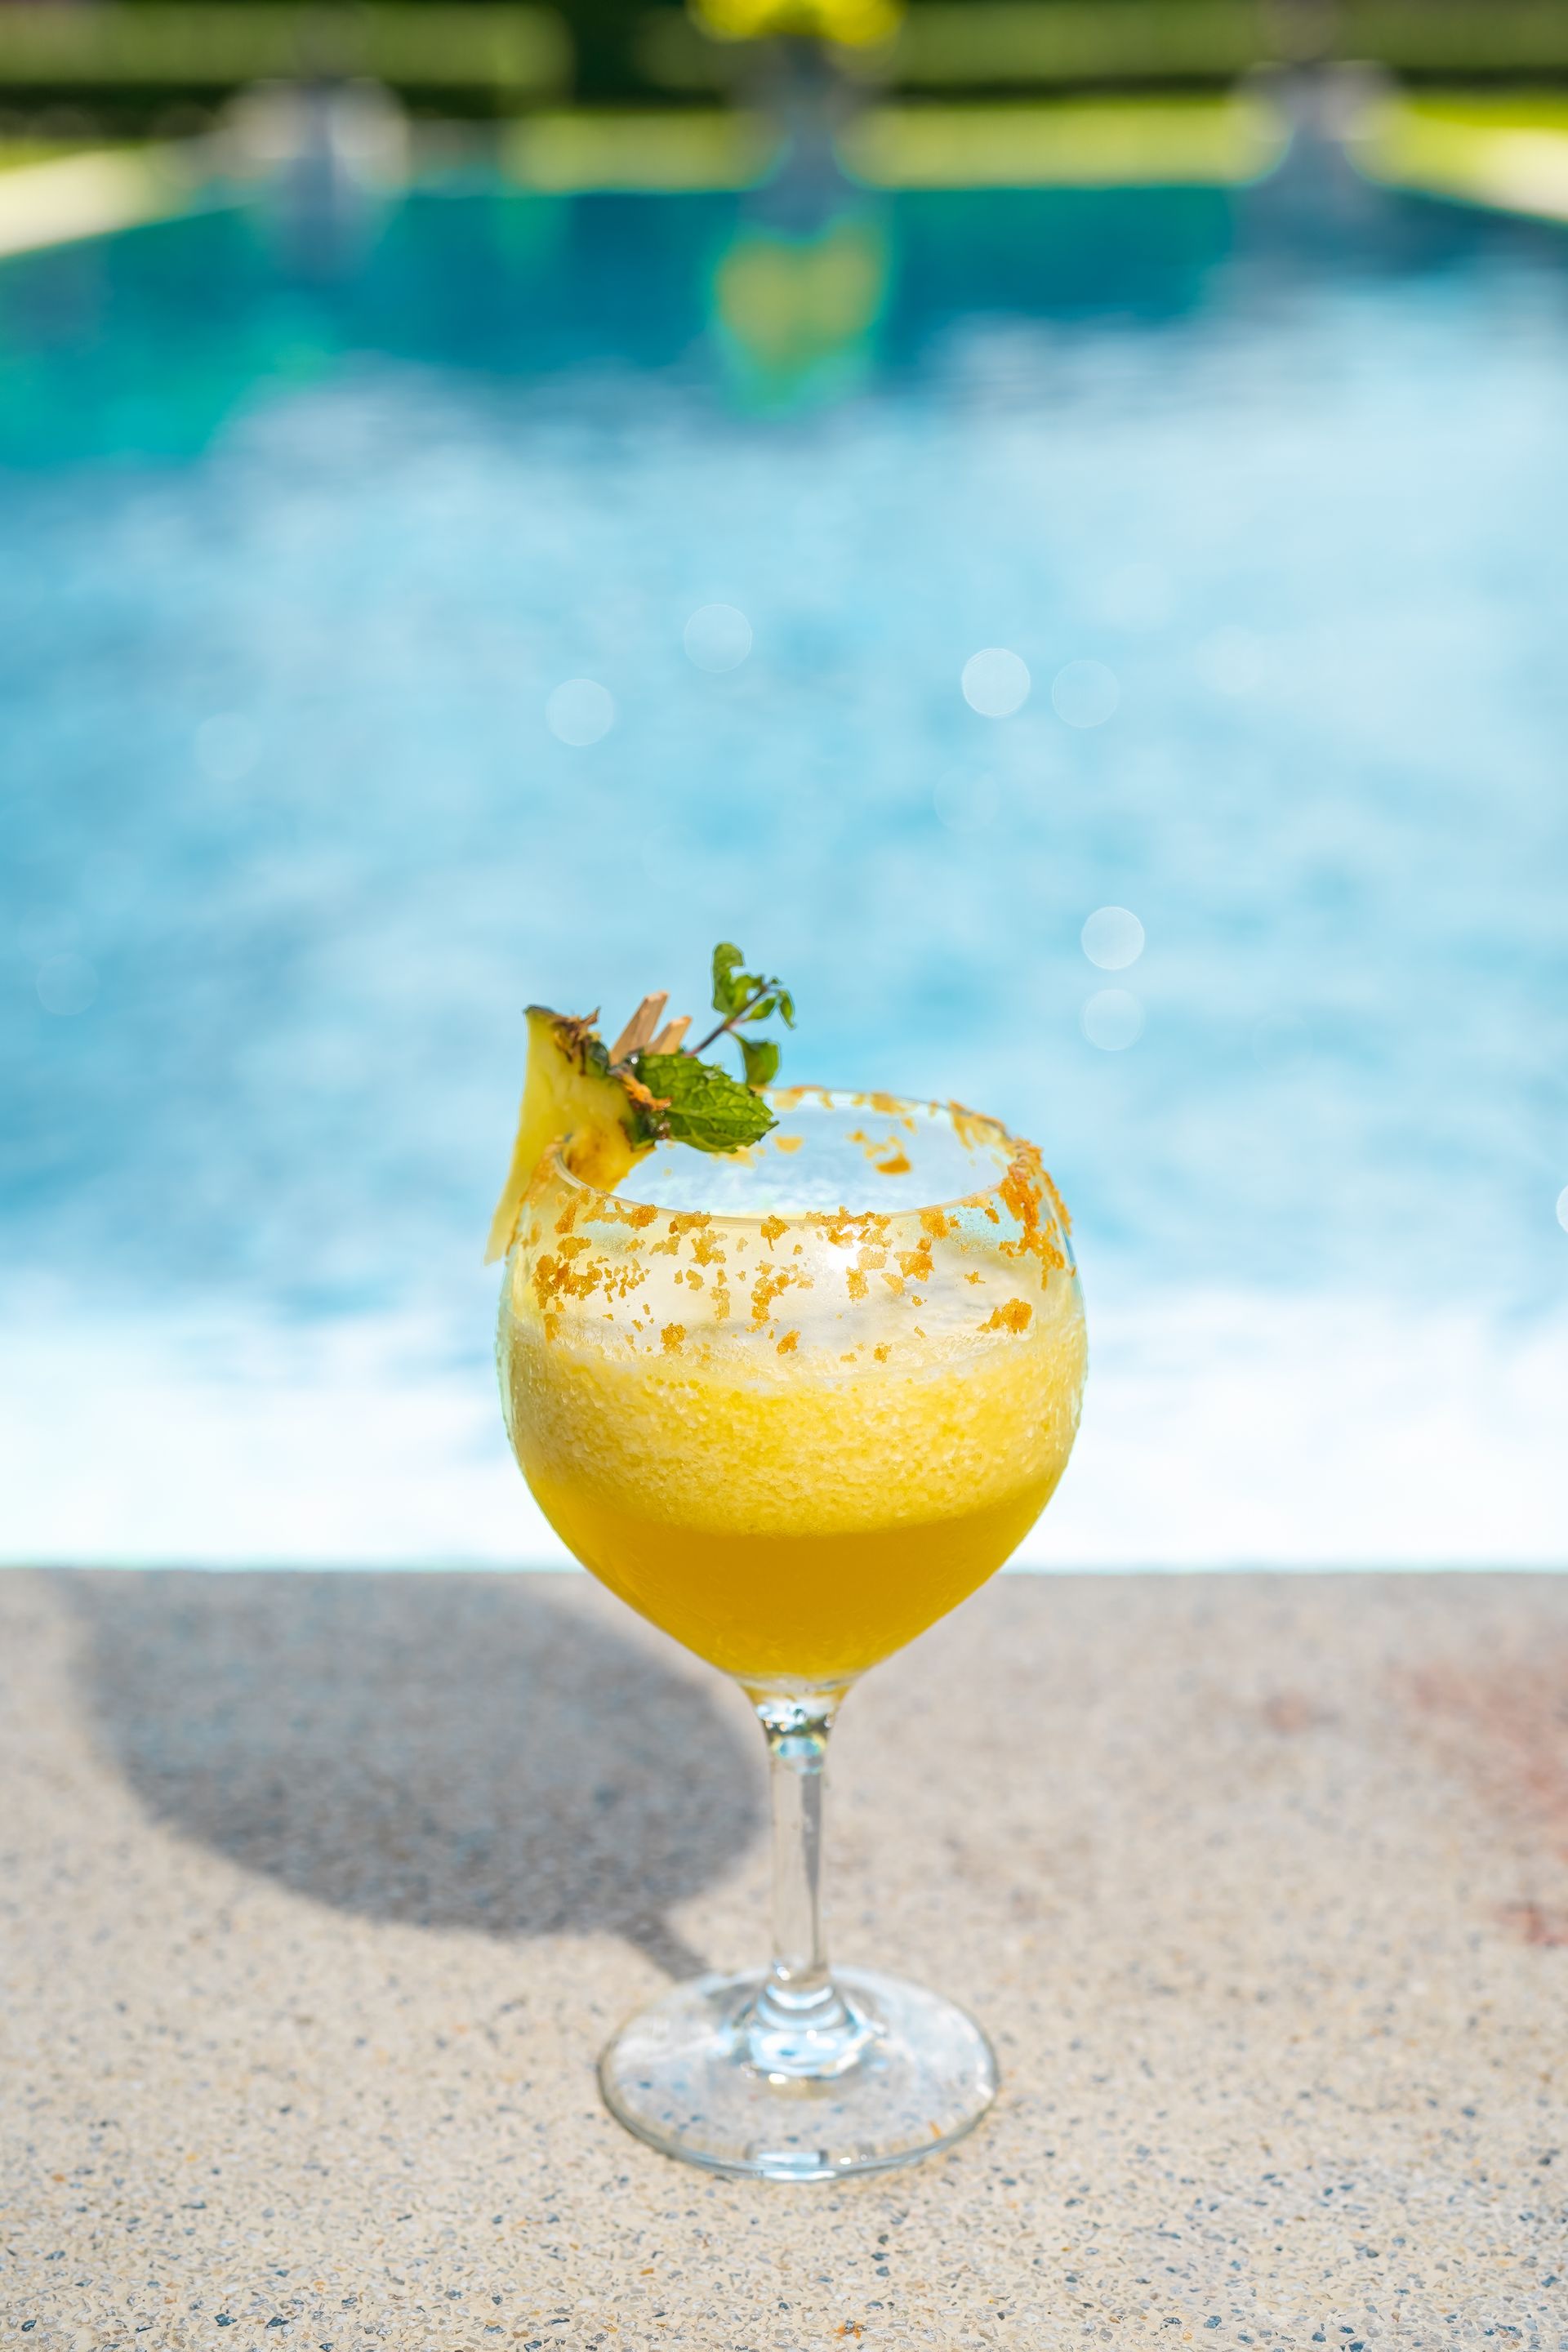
[(1269, 487)]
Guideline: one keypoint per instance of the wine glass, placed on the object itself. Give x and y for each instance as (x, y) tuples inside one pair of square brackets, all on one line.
[(794, 1433)]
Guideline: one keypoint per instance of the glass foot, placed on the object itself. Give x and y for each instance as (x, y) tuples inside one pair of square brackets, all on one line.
[(703, 2076)]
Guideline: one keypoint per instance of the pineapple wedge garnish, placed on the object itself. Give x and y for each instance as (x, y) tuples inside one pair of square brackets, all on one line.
[(570, 1097), (606, 1107)]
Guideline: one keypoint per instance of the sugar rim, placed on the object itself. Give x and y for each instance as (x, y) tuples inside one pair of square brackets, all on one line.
[(830, 1098)]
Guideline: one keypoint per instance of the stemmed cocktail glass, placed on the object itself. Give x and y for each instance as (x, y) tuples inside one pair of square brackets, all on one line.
[(792, 1406)]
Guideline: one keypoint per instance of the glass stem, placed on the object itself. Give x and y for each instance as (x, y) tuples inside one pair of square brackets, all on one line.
[(799, 2012)]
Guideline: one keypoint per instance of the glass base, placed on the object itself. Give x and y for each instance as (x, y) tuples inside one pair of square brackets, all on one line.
[(898, 2073)]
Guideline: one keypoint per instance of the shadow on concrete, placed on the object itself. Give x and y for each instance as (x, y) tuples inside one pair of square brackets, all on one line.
[(445, 1751)]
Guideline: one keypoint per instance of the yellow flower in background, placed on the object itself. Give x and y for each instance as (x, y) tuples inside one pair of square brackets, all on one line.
[(849, 24)]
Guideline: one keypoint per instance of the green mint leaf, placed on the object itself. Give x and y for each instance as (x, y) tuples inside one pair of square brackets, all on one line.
[(761, 1010), (730, 988), (761, 1055), (708, 1108), (787, 1006)]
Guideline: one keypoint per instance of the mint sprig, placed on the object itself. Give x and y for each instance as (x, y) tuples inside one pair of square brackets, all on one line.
[(702, 1105), (679, 1098), (743, 995)]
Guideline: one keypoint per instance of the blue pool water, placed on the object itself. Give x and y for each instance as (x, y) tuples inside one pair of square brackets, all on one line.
[(1270, 485)]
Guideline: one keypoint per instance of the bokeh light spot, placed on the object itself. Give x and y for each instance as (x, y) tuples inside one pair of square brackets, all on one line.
[(965, 803), (718, 638), (580, 711), (65, 984), (227, 746), (996, 682), (1562, 1208), (1112, 1019), (1085, 693), (1112, 937)]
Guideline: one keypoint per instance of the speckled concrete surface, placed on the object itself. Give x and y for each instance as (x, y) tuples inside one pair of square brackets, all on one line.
[(319, 1895)]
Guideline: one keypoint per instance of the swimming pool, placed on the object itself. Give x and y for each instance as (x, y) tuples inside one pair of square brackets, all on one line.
[(1268, 494)]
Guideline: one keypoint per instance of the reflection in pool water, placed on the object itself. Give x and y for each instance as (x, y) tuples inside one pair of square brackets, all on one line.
[(349, 699)]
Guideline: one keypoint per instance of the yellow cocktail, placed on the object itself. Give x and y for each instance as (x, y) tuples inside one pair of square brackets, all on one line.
[(794, 1441)]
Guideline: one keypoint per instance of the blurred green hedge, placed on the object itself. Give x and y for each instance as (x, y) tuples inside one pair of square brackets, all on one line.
[(507, 54), (494, 57)]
